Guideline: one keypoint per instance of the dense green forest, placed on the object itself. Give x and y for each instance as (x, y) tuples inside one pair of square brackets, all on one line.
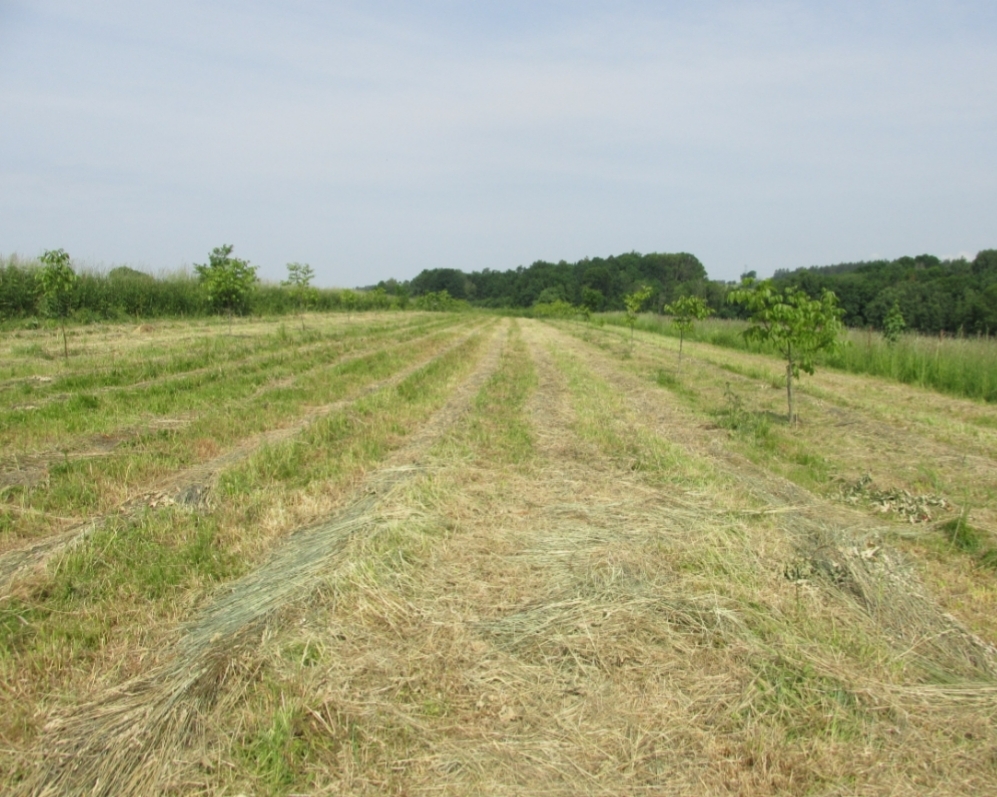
[(933, 295), (597, 283)]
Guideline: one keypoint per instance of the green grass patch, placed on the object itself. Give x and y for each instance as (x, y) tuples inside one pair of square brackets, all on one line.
[(80, 486), (805, 703), (497, 430), (959, 366), (356, 437), (275, 750), (603, 419), (137, 562)]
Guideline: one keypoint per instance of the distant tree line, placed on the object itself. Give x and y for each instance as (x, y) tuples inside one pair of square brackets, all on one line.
[(932, 295), (593, 283), (922, 294)]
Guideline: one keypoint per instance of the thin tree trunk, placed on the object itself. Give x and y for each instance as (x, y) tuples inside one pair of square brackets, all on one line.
[(65, 345), (789, 384)]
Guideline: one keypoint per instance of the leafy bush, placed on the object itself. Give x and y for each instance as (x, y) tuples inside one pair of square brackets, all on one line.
[(558, 309), (440, 301), (227, 281)]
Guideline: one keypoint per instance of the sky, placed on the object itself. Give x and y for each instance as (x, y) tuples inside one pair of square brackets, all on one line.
[(376, 139)]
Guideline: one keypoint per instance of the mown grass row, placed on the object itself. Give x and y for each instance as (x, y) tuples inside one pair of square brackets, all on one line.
[(96, 609), (26, 426), (840, 441), (964, 367), (497, 430), (117, 357), (816, 676), (79, 487), (818, 453), (282, 742)]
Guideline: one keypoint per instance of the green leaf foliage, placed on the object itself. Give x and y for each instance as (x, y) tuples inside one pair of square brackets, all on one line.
[(227, 281), (57, 280), (685, 312), (894, 324), (634, 302), (299, 278), (796, 325)]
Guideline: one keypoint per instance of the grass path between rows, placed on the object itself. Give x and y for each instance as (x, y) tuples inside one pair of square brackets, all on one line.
[(564, 578), (50, 491), (193, 485), (124, 739), (852, 428)]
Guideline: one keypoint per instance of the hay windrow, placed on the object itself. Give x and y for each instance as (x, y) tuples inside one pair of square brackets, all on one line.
[(192, 486), (568, 583), (842, 549), (123, 741)]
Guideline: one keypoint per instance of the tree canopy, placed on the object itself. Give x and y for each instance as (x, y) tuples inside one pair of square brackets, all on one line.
[(932, 295), (228, 281), (799, 327), (596, 283)]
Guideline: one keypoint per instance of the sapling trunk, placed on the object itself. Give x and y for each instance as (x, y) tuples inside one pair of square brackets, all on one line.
[(789, 383), (789, 392), (65, 344), (681, 336)]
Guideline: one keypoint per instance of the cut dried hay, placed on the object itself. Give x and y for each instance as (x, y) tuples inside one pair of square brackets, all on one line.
[(191, 487), (125, 741), (668, 619)]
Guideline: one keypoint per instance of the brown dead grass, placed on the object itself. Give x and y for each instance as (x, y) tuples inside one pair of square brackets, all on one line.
[(906, 438), (568, 627), (635, 608), (123, 740)]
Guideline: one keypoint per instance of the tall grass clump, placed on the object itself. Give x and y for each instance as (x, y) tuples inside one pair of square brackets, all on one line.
[(961, 366)]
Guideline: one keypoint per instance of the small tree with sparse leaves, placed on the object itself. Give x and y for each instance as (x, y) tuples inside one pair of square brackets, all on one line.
[(798, 326), (57, 280), (685, 312), (299, 277), (634, 302), (894, 324)]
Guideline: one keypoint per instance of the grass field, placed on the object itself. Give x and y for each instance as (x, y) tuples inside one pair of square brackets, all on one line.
[(419, 553), (959, 366)]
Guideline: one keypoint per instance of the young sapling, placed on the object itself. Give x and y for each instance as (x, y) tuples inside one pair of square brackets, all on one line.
[(57, 280), (685, 312), (799, 327), (634, 302), (299, 277)]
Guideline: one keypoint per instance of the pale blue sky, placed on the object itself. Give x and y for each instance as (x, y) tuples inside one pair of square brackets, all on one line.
[(376, 139)]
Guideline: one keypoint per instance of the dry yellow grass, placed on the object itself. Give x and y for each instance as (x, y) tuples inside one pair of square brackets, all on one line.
[(566, 581)]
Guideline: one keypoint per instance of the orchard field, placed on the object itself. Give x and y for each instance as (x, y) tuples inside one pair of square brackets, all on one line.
[(421, 553)]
